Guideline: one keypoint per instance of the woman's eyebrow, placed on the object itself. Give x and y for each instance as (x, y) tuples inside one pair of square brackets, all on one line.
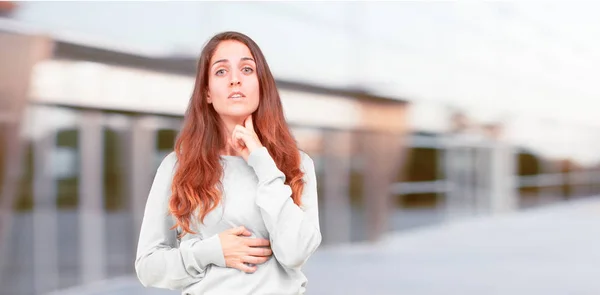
[(226, 60)]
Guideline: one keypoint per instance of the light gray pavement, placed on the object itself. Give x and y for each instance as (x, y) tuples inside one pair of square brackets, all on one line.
[(551, 250)]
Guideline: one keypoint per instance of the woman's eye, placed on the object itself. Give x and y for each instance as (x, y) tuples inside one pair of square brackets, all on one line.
[(220, 72), (248, 70)]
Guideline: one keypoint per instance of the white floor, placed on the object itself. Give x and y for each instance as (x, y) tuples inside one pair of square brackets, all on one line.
[(552, 250)]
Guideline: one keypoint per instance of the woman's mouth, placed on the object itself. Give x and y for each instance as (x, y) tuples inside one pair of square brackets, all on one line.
[(236, 95)]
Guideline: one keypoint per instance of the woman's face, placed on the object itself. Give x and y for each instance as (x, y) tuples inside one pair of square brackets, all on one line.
[(233, 88)]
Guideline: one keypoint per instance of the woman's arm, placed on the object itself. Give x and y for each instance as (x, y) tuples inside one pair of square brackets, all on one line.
[(294, 231), (160, 261)]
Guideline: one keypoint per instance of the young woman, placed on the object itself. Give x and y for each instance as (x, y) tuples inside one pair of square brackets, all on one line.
[(233, 210)]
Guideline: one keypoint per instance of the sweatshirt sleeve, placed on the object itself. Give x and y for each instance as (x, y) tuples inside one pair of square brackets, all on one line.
[(294, 232), (161, 261)]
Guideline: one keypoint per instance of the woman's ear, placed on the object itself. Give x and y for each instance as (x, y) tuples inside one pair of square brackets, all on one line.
[(208, 99)]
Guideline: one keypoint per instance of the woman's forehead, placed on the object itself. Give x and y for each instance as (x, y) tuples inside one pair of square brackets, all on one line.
[(231, 51)]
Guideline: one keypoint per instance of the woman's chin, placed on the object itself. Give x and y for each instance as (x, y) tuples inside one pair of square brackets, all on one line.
[(237, 115), (238, 111)]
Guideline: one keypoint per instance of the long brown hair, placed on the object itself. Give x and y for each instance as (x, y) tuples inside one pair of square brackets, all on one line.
[(197, 181)]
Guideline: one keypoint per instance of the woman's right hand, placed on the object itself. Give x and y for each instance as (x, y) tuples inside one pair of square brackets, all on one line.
[(239, 250)]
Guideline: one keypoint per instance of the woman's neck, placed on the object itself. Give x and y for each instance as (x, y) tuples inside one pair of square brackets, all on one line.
[(228, 124)]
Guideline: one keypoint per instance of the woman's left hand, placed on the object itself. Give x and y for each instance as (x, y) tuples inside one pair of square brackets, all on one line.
[(244, 140)]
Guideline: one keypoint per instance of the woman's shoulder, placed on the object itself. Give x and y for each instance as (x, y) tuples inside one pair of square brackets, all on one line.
[(306, 160), (168, 162)]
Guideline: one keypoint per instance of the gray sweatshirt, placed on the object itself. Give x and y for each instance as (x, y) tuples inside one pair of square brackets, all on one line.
[(254, 196)]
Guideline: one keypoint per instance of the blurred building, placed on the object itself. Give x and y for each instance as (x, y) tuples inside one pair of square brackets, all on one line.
[(93, 124), (84, 127)]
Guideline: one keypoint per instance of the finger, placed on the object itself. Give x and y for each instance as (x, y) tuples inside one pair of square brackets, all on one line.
[(249, 137), (245, 268), (241, 129), (258, 243), (238, 230), (239, 145), (236, 141), (248, 123), (261, 252), (242, 138), (255, 259), (238, 136), (246, 233)]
